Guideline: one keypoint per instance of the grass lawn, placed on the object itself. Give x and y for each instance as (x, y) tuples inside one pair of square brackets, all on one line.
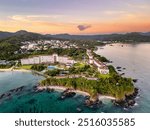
[(79, 65), (104, 76), (27, 67)]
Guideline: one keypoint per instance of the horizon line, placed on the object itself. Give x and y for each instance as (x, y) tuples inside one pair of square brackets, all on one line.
[(75, 34)]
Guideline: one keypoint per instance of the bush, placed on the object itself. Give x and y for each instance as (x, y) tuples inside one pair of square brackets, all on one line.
[(38, 67)]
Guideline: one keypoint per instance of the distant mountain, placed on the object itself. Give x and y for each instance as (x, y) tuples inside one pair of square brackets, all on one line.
[(145, 34), (20, 36), (5, 34), (136, 37), (23, 35), (76, 37), (21, 32)]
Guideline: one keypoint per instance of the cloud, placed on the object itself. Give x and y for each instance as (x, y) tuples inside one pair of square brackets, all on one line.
[(83, 27), (116, 12), (138, 6), (35, 17)]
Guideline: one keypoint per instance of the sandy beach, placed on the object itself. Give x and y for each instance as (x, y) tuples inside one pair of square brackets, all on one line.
[(106, 97), (16, 70), (5, 70), (22, 70), (61, 88)]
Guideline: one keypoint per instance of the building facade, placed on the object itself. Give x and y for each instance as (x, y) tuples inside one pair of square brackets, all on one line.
[(101, 67), (47, 59)]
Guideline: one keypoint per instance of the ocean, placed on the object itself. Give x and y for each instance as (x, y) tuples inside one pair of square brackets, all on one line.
[(134, 58)]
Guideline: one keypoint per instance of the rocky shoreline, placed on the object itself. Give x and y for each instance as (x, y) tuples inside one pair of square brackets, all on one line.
[(89, 102), (8, 94), (66, 93), (70, 93), (129, 100)]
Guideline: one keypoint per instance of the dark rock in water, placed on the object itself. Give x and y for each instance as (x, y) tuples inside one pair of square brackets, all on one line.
[(129, 100), (68, 93), (97, 104), (32, 101), (121, 103), (124, 68), (49, 90), (135, 80), (119, 70), (136, 90), (118, 67), (122, 74), (125, 103), (34, 87), (87, 102), (93, 104), (12, 90), (16, 90), (2, 96), (39, 90), (87, 97), (8, 94), (19, 89)]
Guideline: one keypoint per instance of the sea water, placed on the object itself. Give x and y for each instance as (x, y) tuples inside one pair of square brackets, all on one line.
[(136, 59)]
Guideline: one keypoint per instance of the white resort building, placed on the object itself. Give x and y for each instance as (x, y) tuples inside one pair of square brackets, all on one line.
[(91, 61), (102, 68), (47, 59)]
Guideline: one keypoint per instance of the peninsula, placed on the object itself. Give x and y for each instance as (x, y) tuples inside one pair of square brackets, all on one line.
[(73, 66)]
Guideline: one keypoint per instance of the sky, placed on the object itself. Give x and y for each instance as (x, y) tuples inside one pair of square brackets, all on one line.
[(75, 16)]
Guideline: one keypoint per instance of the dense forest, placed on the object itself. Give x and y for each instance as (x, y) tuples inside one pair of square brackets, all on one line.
[(115, 86), (8, 52), (38, 67), (5, 66), (100, 58), (10, 47)]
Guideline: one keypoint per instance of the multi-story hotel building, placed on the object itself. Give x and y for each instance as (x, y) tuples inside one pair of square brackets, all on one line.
[(47, 59), (102, 68)]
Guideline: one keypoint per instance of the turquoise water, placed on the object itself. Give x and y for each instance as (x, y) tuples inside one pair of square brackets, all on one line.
[(135, 58), (30, 102)]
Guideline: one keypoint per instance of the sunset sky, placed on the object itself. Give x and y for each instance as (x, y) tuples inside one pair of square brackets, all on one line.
[(75, 16)]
